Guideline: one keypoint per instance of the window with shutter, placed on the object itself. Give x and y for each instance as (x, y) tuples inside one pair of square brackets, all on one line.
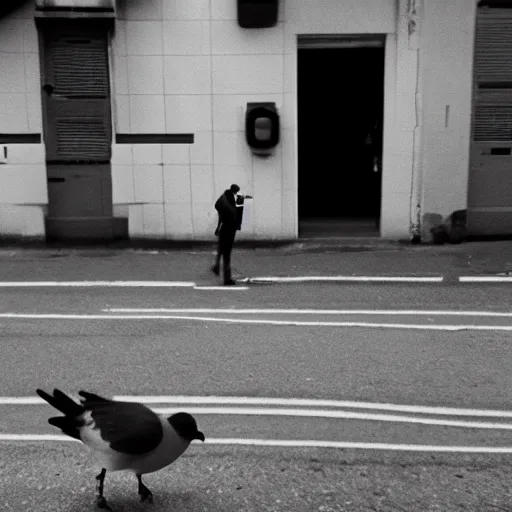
[(492, 120), (80, 67), (493, 49), (490, 180), (77, 90), (493, 123)]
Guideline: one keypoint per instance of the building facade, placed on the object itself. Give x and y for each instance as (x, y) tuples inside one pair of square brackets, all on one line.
[(128, 119)]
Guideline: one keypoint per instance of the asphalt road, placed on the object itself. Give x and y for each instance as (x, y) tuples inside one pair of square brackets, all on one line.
[(95, 339)]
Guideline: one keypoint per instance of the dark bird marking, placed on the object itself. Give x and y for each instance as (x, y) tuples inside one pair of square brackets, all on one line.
[(128, 427)]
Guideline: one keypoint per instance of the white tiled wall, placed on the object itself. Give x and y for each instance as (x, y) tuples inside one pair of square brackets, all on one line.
[(182, 66), (178, 220), (188, 113), (23, 183), (21, 220), (23, 188), (19, 76), (177, 184), (186, 10), (187, 67)]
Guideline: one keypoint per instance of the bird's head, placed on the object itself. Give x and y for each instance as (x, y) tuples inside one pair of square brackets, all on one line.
[(186, 426)]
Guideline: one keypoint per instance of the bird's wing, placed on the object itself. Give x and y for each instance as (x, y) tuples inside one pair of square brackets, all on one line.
[(127, 427)]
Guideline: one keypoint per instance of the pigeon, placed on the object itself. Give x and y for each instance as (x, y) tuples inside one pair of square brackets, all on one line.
[(123, 435)]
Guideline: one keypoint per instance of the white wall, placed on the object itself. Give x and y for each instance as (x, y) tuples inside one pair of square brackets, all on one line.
[(23, 189), (447, 60), (185, 66), (182, 66)]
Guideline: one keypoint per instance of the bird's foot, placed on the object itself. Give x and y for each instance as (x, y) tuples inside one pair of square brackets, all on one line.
[(101, 503), (146, 495)]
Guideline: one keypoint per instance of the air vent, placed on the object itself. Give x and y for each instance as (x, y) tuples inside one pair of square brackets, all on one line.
[(493, 123)]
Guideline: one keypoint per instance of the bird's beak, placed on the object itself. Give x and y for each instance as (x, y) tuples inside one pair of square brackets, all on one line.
[(200, 436)]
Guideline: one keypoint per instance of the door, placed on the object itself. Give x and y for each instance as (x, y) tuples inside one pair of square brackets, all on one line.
[(77, 129), (340, 111), (490, 175)]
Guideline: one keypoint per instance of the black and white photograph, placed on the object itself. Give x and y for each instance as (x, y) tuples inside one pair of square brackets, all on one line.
[(256, 255)]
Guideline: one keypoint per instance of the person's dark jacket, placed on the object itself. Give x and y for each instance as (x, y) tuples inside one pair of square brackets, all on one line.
[(226, 207)]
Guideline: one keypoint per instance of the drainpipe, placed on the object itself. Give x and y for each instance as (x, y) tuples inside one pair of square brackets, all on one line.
[(413, 26)]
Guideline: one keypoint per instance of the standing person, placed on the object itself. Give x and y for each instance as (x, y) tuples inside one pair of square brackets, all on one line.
[(226, 206)]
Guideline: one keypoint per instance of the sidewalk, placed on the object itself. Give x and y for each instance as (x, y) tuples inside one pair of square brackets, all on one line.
[(302, 259)]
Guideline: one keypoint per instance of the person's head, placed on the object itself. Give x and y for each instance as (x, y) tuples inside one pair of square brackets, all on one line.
[(234, 188)]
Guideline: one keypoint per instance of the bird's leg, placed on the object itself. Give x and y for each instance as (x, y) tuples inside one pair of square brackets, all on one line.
[(145, 493), (101, 502)]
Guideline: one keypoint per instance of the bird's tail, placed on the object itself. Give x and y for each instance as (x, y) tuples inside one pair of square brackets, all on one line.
[(62, 403), (69, 426)]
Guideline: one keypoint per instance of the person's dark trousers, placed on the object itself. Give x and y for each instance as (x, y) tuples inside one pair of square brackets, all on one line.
[(226, 240)]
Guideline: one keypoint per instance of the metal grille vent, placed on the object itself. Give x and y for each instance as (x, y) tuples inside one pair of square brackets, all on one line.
[(493, 50), (80, 68), (493, 123), (82, 139)]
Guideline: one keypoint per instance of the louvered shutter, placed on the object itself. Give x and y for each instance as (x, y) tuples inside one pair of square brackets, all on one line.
[(492, 120), (493, 49), (493, 123), (490, 180), (78, 107)]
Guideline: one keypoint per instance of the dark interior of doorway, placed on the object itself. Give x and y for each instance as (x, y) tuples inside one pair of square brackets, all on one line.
[(340, 110)]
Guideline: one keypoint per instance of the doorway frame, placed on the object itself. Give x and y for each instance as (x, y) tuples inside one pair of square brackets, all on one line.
[(94, 228), (388, 41)]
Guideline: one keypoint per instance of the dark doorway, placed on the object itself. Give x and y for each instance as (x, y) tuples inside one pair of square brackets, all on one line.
[(340, 110)]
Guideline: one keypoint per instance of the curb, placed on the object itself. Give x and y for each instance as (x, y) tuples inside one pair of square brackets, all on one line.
[(165, 245)]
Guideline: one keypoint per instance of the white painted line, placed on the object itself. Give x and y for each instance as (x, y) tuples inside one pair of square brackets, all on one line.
[(36, 437), (223, 288), (358, 446), (305, 402), (316, 279), (306, 443), (289, 402), (87, 284), (294, 323), (373, 312), (485, 279), (317, 413), (426, 327)]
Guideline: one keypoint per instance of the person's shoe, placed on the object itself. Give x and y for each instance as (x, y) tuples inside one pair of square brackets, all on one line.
[(229, 282), (216, 270)]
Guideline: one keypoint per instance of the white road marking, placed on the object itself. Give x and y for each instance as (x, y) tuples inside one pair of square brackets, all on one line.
[(288, 402), (319, 413), (316, 279), (485, 279), (88, 284), (256, 280), (306, 443), (393, 312), (223, 288), (312, 413), (36, 437), (297, 323)]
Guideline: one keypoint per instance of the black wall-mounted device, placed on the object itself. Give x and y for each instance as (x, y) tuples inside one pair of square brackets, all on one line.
[(262, 127), (257, 13)]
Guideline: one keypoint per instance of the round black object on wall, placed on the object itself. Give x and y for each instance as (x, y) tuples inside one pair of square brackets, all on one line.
[(262, 125)]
